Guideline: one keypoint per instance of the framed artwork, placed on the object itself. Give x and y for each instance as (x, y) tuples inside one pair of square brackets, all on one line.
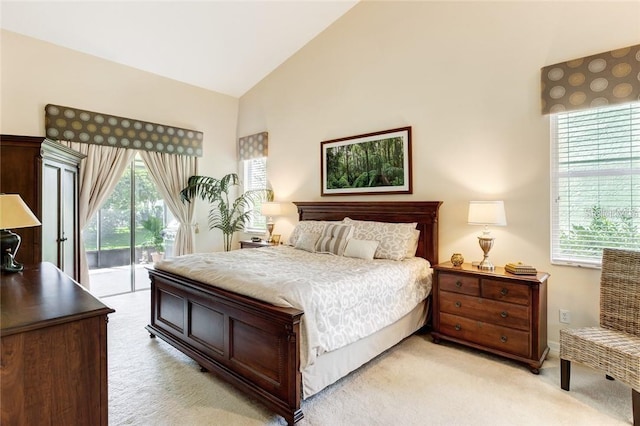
[(275, 239), (372, 163)]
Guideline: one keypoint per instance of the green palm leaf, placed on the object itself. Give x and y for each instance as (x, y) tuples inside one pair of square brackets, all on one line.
[(229, 217)]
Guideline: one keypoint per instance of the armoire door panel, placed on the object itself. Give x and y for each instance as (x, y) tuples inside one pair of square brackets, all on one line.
[(69, 221), (51, 208)]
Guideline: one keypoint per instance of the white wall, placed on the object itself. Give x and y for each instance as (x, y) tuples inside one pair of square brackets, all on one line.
[(466, 77), (34, 73)]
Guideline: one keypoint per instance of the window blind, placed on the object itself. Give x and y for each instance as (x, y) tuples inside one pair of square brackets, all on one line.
[(595, 182), (255, 177)]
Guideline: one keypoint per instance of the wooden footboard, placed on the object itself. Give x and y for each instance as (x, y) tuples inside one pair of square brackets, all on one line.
[(250, 344)]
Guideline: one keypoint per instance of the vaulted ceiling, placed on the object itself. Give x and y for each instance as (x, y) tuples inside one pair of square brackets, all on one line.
[(224, 46)]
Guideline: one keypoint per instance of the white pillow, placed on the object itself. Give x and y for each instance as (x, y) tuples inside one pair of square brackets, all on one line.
[(334, 239), (315, 226), (362, 249), (307, 241), (394, 238), (412, 246)]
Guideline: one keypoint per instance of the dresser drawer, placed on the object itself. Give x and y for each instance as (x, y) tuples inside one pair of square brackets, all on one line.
[(506, 292), (487, 310), (459, 284), (493, 336)]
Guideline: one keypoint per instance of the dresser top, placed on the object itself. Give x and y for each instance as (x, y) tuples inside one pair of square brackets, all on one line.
[(42, 296), (498, 272)]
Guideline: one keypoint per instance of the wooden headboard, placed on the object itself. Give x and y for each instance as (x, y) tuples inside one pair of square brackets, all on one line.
[(425, 213)]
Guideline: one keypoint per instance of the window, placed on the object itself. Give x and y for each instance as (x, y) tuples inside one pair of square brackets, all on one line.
[(255, 177), (595, 183)]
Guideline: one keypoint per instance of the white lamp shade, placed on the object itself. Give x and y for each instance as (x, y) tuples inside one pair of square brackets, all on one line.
[(487, 213), (271, 208), (14, 213)]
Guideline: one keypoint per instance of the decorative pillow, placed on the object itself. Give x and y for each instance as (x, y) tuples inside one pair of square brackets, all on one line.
[(334, 239), (315, 226), (307, 241), (362, 249), (394, 238), (412, 246)]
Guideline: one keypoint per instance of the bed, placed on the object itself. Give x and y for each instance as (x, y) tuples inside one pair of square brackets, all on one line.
[(256, 345)]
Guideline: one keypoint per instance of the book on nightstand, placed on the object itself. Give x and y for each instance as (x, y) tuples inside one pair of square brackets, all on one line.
[(520, 268)]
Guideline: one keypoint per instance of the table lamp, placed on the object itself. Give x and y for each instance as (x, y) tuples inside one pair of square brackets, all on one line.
[(486, 213), (14, 213), (270, 209)]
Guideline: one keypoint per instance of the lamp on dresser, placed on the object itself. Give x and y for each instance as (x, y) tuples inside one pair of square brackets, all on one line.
[(270, 209), (14, 213), (486, 213)]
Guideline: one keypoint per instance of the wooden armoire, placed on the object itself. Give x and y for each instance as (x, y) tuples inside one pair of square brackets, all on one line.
[(45, 174)]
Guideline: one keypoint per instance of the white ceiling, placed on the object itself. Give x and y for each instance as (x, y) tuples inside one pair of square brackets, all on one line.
[(224, 46)]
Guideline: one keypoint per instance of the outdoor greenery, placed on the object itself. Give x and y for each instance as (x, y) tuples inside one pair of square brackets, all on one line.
[(368, 164), (226, 215), (115, 214), (155, 228), (602, 231)]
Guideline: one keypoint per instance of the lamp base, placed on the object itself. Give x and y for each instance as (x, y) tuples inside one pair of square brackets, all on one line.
[(485, 244), (270, 225), (486, 265), (9, 243)]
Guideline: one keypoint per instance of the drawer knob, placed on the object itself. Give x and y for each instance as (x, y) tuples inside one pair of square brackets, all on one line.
[(503, 339), (458, 284), (458, 327), (458, 304), (504, 314), (504, 291)]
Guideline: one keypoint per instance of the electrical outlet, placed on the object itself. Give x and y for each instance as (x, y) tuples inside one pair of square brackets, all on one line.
[(565, 316)]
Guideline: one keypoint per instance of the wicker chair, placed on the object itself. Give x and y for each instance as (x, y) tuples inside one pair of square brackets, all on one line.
[(614, 347)]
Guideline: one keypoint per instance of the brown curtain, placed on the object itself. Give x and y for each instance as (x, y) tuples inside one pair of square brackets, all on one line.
[(607, 78), (253, 146)]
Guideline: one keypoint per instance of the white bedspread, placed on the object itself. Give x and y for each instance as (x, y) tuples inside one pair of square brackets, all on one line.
[(343, 299)]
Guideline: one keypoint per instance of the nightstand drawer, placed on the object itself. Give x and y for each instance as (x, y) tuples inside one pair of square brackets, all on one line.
[(501, 338), (506, 292), (490, 311), (459, 284)]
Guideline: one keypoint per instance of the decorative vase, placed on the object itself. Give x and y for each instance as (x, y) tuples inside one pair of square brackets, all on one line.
[(457, 259)]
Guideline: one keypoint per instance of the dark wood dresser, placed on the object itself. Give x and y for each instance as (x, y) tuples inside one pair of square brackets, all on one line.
[(53, 350), (495, 311)]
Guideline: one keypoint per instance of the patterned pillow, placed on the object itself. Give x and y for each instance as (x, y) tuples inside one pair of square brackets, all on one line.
[(307, 241), (412, 247), (334, 239), (315, 226), (395, 238), (362, 249)]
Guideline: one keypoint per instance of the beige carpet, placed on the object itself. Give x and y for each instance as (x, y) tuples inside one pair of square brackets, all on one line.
[(415, 383)]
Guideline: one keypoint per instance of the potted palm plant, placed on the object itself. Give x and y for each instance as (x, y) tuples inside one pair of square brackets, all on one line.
[(155, 228), (225, 214)]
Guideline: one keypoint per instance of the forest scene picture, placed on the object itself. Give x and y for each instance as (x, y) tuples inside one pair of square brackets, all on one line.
[(377, 162)]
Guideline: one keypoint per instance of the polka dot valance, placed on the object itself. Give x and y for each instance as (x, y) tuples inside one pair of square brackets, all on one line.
[(604, 79), (72, 124), (254, 146)]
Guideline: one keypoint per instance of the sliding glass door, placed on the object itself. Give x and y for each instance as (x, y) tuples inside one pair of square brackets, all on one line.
[(129, 232)]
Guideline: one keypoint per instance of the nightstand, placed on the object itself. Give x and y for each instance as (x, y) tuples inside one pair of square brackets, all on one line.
[(253, 244), (494, 311)]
